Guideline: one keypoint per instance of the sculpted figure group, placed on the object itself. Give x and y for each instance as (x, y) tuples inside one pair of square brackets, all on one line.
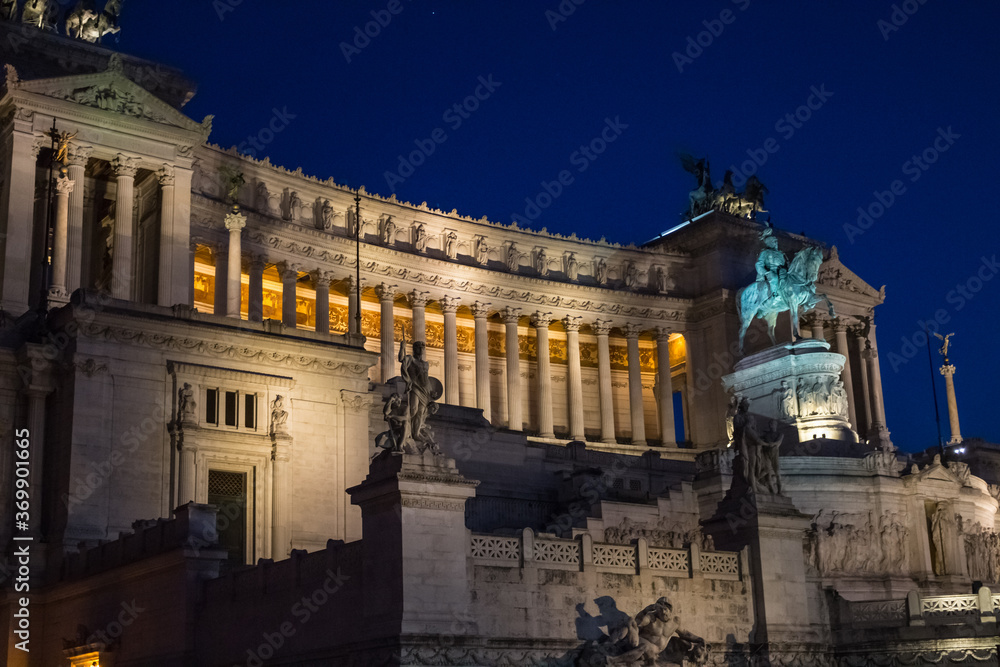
[(858, 544), (407, 414), (757, 455), (652, 637)]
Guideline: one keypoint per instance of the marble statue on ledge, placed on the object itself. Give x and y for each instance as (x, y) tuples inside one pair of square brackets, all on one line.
[(186, 405), (756, 465), (781, 287), (279, 416), (653, 637), (407, 414)]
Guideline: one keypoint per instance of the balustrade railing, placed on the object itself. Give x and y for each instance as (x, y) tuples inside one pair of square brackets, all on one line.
[(583, 552)]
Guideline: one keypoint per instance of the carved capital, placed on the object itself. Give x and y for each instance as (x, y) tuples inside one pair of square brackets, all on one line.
[(572, 322), (541, 320), (449, 304), (321, 278), (480, 310), (511, 315), (385, 292), (125, 166), (64, 186), (288, 271), (633, 331), (947, 370), (663, 333), (601, 327), (166, 176), (418, 299), (235, 222), (79, 155)]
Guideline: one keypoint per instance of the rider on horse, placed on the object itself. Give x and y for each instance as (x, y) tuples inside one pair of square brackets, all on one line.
[(772, 265)]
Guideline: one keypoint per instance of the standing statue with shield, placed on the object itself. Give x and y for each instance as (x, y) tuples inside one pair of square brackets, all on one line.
[(781, 287)]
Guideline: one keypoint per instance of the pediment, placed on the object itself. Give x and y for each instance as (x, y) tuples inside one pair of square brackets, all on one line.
[(112, 91), (952, 473), (833, 273)]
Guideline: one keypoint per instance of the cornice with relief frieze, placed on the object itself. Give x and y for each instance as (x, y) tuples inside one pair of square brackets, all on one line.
[(246, 377), (215, 349), (431, 276), (151, 131), (294, 177)]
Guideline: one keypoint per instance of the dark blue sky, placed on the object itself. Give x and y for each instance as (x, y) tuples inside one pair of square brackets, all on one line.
[(893, 93)]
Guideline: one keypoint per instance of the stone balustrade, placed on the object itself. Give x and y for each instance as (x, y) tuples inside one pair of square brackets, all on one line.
[(582, 553), (916, 610)]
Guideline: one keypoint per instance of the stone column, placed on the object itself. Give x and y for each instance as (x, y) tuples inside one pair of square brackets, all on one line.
[(352, 306), (864, 409), (125, 169), (164, 289), (878, 434), (60, 238), (18, 192), (511, 317), (418, 304), (289, 281), (875, 379), (235, 222), (452, 389), (541, 322), (386, 295), (817, 327), (280, 542), (632, 332), (480, 311), (668, 435), (221, 267), (603, 328), (574, 377), (321, 281), (77, 167), (948, 371), (187, 466), (843, 348), (255, 293)]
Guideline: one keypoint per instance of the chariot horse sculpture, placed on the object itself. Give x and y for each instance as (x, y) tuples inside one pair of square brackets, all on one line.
[(789, 290)]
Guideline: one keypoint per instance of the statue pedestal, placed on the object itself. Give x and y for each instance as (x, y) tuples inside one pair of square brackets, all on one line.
[(415, 544), (773, 531), (812, 403)]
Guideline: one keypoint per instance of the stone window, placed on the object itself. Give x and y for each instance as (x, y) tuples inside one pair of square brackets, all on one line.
[(231, 408)]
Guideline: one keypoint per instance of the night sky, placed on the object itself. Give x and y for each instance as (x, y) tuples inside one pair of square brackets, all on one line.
[(885, 82)]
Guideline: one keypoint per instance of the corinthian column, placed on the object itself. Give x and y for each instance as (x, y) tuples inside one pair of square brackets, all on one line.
[(321, 281), (878, 433), (632, 332), (167, 183), (574, 377), (668, 434), (480, 311), (511, 317), (864, 408), (235, 222), (418, 304), (541, 322), (840, 329), (817, 327), (57, 290), (125, 170), (219, 304), (603, 328), (449, 306), (948, 371), (78, 157), (289, 281), (255, 291), (387, 330)]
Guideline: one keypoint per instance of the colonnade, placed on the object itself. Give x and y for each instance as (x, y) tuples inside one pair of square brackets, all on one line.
[(865, 406), (228, 286)]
